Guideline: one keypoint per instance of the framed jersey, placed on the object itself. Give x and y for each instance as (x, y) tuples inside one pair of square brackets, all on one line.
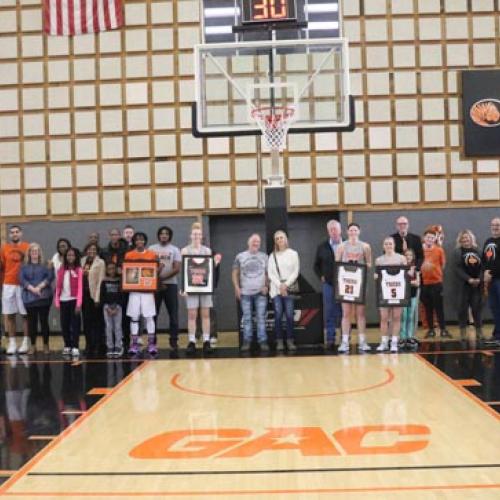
[(139, 276), (197, 273), (393, 286), (350, 282)]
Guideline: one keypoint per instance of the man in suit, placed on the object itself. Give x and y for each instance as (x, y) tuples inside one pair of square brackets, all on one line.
[(324, 267)]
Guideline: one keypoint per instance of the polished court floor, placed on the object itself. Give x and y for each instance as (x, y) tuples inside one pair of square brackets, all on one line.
[(307, 425)]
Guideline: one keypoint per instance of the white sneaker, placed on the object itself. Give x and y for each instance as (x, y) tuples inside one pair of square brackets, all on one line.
[(279, 345), (364, 347), (75, 352), (384, 346), (12, 349), (66, 351), (213, 341), (394, 347), (343, 347), (25, 346)]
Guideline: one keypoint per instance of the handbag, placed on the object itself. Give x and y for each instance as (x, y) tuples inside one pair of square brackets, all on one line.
[(292, 289)]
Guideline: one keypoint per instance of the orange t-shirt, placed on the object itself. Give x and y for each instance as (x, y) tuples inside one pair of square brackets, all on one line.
[(146, 255), (432, 267), (12, 257)]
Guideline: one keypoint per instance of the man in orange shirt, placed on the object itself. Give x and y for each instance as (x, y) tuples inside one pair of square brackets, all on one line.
[(12, 258), (141, 303), (432, 283)]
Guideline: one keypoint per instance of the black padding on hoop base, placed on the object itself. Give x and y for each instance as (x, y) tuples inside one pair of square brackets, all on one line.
[(348, 128)]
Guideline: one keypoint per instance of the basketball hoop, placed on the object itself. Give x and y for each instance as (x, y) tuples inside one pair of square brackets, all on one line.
[(274, 123)]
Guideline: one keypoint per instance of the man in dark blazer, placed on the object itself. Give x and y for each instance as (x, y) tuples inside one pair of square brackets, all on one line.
[(404, 240), (324, 267)]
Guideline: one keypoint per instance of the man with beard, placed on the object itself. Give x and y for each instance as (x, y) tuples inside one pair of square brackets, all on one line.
[(11, 258)]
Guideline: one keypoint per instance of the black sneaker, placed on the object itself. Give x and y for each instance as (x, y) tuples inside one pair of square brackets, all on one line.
[(445, 334), (191, 349), (430, 334), (207, 348)]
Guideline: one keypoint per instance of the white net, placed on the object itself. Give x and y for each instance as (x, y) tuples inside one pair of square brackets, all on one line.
[(274, 123)]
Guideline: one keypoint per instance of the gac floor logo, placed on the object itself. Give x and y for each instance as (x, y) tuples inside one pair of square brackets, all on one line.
[(309, 441)]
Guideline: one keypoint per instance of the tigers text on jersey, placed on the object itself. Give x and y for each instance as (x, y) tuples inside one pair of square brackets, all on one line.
[(350, 281), (393, 286)]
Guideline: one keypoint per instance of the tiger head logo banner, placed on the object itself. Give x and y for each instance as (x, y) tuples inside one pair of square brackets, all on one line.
[(481, 112)]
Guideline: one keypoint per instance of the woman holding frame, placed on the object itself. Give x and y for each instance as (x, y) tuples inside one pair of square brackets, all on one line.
[(354, 251), (390, 317), (195, 301)]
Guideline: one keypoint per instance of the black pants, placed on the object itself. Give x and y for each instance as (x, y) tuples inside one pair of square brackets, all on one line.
[(432, 298), (169, 295), (470, 296), (70, 323), (38, 313), (92, 325), (125, 324)]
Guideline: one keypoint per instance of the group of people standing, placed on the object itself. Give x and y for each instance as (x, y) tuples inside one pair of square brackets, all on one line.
[(476, 272), (88, 286)]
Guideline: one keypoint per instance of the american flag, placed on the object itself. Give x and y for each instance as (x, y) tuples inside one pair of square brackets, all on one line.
[(75, 17)]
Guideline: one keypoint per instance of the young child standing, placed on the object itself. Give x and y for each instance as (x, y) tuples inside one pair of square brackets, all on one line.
[(409, 317), (68, 298), (432, 284), (112, 302)]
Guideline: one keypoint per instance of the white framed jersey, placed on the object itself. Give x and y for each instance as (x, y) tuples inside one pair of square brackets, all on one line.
[(393, 286), (350, 282)]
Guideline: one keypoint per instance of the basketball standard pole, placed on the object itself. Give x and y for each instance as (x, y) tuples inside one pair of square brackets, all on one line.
[(276, 213)]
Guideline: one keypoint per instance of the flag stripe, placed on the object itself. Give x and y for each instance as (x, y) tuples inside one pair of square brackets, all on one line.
[(73, 17), (59, 15), (107, 21), (83, 17)]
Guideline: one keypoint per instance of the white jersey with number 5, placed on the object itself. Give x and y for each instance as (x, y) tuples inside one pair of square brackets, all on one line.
[(393, 285)]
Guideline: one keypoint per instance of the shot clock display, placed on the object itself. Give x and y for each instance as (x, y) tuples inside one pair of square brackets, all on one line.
[(267, 11)]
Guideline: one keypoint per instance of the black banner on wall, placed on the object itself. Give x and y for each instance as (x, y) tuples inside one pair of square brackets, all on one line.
[(481, 112)]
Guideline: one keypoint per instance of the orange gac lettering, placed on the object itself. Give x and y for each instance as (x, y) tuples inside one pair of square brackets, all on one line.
[(215, 441), (310, 441), (351, 439)]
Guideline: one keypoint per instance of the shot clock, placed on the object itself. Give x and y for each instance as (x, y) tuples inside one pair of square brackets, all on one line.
[(267, 11)]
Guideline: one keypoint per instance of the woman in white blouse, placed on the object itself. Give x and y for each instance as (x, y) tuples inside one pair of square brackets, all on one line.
[(283, 271)]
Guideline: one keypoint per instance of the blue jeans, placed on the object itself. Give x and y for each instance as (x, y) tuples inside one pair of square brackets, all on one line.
[(248, 304), (285, 304), (494, 303), (332, 312)]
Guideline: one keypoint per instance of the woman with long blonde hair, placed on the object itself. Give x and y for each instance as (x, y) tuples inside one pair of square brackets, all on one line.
[(467, 264), (36, 279), (283, 271)]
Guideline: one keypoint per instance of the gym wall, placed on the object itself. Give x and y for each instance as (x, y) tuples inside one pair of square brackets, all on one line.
[(100, 125)]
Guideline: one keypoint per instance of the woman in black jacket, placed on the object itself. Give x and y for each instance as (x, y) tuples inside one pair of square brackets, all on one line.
[(467, 269)]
